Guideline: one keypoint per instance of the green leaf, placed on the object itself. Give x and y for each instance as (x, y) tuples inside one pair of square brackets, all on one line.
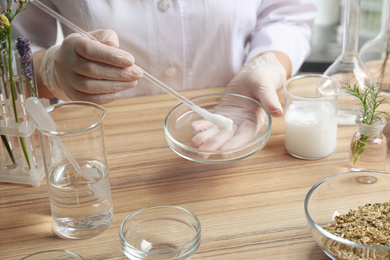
[(9, 150)]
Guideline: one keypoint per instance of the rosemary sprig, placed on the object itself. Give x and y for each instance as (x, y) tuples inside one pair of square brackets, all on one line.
[(369, 101), (358, 148)]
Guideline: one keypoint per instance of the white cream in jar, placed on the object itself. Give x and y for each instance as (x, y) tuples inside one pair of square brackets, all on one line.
[(310, 129)]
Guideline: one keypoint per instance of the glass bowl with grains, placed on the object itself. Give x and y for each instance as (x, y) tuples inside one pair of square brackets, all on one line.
[(349, 215)]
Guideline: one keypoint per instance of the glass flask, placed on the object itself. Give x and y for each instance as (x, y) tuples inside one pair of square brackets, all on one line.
[(348, 68), (368, 148), (375, 53)]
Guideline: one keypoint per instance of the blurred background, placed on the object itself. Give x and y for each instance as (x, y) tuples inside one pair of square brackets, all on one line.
[(327, 36)]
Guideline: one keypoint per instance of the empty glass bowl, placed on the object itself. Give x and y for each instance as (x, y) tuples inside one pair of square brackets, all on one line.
[(160, 232), (252, 129), (53, 255), (337, 195)]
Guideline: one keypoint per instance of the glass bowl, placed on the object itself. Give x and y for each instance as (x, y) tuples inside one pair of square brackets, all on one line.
[(337, 195), (178, 127), (53, 255), (160, 232)]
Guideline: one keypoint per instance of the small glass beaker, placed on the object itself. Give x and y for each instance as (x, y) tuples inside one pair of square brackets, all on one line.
[(160, 232), (80, 200), (311, 116)]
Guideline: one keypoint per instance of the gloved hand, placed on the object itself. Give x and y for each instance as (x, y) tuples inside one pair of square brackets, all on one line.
[(84, 69), (258, 79)]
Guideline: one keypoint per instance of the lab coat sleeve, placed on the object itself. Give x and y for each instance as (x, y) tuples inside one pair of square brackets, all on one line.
[(36, 26), (285, 26)]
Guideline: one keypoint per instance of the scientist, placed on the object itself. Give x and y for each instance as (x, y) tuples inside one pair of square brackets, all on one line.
[(250, 47), (185, 44)]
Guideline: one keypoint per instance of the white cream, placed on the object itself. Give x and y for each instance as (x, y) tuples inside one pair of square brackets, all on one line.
[(310, 129), (222, 122)]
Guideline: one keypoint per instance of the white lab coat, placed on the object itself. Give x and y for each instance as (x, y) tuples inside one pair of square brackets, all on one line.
[(187, 44)]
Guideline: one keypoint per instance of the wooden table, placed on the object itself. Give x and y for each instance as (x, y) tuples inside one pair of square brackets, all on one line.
[(250, 209)]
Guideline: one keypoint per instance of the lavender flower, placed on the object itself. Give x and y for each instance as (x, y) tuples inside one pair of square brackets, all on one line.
[(25, 62), (26, 68)]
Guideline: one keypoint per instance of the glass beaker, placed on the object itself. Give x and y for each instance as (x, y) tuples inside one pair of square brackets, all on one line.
[(375, 53), (80, 202), (311, 116), (348, 68)]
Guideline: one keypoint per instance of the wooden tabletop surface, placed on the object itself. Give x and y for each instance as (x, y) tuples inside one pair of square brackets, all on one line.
[(249, 209)]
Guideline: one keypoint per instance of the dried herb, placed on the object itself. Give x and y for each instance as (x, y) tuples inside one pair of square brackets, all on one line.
[(367, 225)]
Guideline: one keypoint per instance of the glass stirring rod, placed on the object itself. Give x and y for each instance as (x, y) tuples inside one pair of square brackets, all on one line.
[(222, 122)]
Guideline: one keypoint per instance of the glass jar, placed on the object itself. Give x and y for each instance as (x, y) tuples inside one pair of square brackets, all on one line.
[(368, 148), (375, 53), (348, 67), (310, 116)]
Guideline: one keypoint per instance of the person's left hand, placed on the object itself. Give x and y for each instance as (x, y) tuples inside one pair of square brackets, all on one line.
[(246, 125), (259, 79)]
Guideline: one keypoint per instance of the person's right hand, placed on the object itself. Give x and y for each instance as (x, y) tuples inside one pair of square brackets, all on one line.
[(84, 69)]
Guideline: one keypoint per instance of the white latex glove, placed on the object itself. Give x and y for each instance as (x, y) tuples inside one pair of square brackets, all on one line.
[(84, 69), (258, 79)]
